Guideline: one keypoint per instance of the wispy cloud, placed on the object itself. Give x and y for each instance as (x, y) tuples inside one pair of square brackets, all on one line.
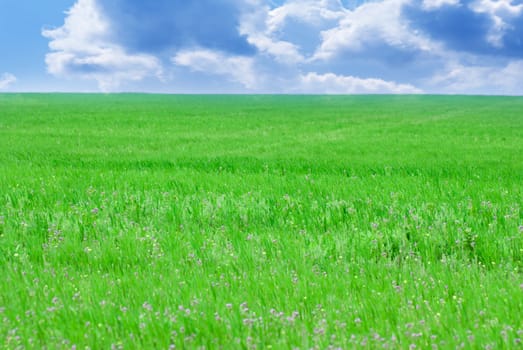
[(6, 80), (236, 68), (483, 27), (335, 84), (481, 79)]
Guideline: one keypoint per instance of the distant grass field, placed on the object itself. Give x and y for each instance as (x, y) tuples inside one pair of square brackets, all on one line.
[(146, 221)]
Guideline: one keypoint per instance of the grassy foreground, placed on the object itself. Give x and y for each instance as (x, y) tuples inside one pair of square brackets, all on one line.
[(136, 221)]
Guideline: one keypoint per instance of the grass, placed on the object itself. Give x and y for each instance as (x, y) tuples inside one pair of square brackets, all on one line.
[(146, 221)]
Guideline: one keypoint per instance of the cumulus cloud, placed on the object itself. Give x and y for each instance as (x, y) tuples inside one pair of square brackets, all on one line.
[(335, 84), (82, 47), (236, 68), (291, 31), (372, 24), (6, 80)]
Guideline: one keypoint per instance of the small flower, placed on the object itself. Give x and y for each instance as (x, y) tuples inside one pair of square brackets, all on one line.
[(244, 307), (95, 211), (319, 331)]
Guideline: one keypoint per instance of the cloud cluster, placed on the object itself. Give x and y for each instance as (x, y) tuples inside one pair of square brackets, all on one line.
[(311, 46), (6, 80)]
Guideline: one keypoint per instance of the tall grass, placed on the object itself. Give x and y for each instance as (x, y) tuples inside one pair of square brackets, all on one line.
[(147, 221)]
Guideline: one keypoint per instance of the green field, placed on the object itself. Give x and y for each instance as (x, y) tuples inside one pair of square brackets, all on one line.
[(149, 221)]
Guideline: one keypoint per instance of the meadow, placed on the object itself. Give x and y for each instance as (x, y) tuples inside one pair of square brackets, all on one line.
[(241, 222)]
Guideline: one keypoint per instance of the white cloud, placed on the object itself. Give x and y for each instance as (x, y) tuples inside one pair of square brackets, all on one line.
[(82, 47), (314, 12), (6, 80), (372, 22), (457, 78), (253, 24), (236, 68), (433, 4), (501, 8), (337, 84), (499, 11), (282, 51), (264, 26)]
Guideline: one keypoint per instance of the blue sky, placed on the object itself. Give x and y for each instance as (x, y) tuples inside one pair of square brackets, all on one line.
[(263, 46)]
